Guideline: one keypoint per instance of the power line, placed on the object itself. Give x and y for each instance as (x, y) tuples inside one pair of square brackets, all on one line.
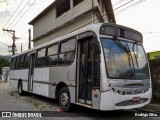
[(8, 35), (13, 14), (4, 43), (123, 4), (22, 36), (151, 32), (5, 37), (25, 44), (132, 5), (18, 14), (13, 47), (24, 14), (118, 2)]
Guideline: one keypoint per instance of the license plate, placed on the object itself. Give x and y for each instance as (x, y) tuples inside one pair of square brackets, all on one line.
[(136, 99)]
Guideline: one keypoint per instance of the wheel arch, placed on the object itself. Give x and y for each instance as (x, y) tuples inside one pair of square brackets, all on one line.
[(20, 80), (59, 87), (20, 87)]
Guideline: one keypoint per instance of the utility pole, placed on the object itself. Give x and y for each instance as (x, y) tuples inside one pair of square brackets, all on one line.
[(29, 46), (21, 48), (14, 39), (14, 45)]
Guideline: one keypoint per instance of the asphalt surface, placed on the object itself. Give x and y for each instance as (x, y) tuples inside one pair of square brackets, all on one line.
[(11, 101)]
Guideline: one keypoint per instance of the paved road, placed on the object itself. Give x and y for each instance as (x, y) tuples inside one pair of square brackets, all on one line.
[(11, 101)]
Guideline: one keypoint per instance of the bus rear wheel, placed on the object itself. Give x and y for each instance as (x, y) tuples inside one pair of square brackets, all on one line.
[(20, 88), (64, 99)]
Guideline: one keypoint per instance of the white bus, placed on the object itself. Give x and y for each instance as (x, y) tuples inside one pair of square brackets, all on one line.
[(100, 66)]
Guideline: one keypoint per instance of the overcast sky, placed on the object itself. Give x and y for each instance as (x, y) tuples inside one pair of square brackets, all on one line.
[(7, 8), (144, 17)]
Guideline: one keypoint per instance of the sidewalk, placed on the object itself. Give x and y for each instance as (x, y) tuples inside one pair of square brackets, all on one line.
[(151, 108)]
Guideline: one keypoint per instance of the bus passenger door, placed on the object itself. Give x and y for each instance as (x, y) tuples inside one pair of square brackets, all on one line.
[(88, 72), (84, 71), (31, 72)]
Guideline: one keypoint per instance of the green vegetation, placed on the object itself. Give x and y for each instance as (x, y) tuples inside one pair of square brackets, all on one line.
[(3, 63), (154, 55)]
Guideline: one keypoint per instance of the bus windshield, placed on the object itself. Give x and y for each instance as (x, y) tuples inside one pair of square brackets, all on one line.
[(125, 60)]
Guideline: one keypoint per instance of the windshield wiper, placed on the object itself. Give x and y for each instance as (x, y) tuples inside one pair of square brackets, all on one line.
[(117, 42), (136, 56)]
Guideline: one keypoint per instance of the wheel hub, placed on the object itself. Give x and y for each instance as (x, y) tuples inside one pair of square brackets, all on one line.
[(19, 89), (64, 99)]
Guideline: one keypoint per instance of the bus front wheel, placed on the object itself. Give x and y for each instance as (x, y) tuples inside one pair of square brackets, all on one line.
[(64, 99)]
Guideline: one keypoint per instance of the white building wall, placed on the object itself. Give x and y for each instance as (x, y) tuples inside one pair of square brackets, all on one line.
[(44, 23), (86, 20), (49, 21)]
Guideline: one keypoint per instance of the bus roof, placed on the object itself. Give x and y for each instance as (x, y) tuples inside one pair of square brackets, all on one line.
[(93, 27), (81, 30)]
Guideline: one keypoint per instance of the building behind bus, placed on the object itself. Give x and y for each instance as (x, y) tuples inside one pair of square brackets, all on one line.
[(65, 16)]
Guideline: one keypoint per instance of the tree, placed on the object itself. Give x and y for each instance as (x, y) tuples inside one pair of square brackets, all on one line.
[(3, 63)]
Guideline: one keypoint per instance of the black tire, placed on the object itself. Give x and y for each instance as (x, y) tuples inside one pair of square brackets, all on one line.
[(20, 88), (64, 99)]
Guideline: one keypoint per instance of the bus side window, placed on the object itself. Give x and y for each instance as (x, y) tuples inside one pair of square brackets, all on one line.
[(17, 62), (67, 52), (13, 63), (52, 55), (21, 61), (26, 61), (18, 65), (40, 60)]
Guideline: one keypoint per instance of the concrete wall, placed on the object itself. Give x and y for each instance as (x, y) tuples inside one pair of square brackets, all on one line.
[(43, 24), (5, 73)]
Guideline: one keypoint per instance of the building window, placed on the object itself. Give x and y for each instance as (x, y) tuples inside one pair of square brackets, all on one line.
[(62, 7), (76, 2)]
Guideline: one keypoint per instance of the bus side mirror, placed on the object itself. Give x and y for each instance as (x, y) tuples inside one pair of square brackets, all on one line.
[(97, 48)]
